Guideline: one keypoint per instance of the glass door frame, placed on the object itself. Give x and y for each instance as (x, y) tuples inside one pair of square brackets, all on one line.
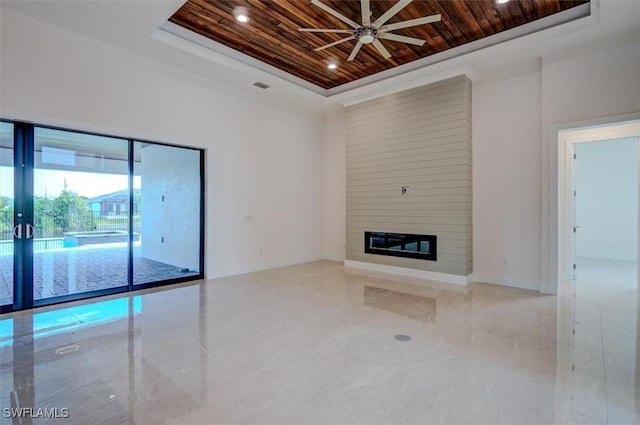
[(24, 166), (22, 215)]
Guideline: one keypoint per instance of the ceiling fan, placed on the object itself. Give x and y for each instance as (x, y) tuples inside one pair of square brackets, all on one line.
[(370, 32)]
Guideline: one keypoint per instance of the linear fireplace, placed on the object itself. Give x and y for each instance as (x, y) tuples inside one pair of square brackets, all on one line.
[(407, 245)]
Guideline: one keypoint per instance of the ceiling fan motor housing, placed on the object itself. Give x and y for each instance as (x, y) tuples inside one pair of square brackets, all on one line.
[(366, 35)]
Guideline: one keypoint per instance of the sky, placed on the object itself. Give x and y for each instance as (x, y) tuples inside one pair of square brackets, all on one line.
[(51, 182)]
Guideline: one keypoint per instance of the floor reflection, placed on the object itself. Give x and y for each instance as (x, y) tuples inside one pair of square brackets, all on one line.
[(412, 306), (103, 362), (605, 361)]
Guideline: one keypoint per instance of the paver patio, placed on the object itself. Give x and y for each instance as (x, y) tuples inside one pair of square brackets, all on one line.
[(88, 268)]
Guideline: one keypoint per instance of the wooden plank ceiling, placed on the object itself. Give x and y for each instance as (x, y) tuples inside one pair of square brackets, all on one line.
[(272, 35)]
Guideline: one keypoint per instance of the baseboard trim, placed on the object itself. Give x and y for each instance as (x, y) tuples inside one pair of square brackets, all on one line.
[(502, 281), (267, 265), (414, 273), (339, 258), (597, 255)]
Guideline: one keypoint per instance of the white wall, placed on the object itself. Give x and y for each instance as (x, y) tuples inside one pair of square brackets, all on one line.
[(333, 217), (515, 156), (506, 181), (263, 163), (607, 199), (579, 91)]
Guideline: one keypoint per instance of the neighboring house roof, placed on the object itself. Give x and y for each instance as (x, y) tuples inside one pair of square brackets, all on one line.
[(120, 196)]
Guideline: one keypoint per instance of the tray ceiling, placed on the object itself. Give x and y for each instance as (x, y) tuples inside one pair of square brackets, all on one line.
[(272, 37)]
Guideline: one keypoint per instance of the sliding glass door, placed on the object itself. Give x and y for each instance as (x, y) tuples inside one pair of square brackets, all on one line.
[(86, 215), (6, 213), (168, 192), (80, 213)]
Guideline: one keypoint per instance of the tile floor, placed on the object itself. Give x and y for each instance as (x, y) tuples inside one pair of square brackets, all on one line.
[(313, 344)]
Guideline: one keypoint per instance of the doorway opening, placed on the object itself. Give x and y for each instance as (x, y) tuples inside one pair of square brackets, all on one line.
[(598, 198), (605, 212)]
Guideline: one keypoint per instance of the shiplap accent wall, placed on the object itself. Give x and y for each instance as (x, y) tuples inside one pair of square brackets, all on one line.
[(419, 138)]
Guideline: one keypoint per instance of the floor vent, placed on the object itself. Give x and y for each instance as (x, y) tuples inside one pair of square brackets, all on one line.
[(402, 338)]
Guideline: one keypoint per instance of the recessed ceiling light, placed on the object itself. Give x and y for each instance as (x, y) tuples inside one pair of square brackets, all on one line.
[(241, 14), (332, 65)]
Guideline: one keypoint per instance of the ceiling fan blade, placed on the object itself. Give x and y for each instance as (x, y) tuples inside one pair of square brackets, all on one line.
[(401, 38), (317, 49), (411, 23), (335, 13), (355, 51), (384, 52), (366, 13), (325, 30), (391, 12)]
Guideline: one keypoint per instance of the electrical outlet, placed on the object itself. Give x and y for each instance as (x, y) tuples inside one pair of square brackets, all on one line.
[(404, 190)]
